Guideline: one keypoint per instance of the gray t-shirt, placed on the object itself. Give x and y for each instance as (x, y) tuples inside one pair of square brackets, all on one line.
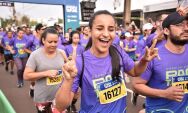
[(45, 88)]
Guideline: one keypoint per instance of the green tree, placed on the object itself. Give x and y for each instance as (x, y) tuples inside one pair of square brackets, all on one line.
[(25, 20), (33, 23), (60, 20)]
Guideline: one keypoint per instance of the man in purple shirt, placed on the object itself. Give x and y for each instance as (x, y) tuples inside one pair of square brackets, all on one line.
[(7, 54), (28, 34), (165, 81)]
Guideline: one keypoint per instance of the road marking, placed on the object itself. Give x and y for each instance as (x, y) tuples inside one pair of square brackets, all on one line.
[(130, 91)]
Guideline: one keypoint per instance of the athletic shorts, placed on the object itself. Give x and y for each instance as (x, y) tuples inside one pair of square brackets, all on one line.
[(46, 107), (8, 57)]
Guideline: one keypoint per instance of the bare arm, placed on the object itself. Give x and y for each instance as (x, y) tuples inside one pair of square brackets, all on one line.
[(27, 50), (140, 86), (30, 74), (64, 95), (64, 55), (139, 68), (172, 93)]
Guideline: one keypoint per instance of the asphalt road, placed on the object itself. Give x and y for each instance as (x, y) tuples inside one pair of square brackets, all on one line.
[(22, 103)]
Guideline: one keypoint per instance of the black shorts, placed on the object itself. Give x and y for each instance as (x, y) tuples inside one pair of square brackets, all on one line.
[(8, 57), (1, 50)]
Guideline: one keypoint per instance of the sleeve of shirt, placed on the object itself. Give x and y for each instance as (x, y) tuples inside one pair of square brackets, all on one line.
[(29, 43), (148, 72), (77, 80), (128, 63), (31, 62), (150, 39)]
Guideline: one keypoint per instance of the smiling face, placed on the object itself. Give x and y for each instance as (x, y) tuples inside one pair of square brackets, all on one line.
[(102, 33)]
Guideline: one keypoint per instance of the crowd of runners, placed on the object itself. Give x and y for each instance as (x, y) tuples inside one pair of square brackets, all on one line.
[(92, 62)]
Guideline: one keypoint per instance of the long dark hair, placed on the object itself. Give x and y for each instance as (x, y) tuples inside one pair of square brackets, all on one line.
[(115, 58), (71, 35)]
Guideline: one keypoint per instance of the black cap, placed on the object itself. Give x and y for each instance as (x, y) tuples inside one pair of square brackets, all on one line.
[(173, 19)]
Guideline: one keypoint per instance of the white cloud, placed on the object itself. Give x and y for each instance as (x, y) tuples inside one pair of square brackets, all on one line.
[(34, 10)]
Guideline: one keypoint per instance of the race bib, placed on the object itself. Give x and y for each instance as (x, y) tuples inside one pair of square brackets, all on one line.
[(111, 91), (21, 51), (181, 81), (55, 80)]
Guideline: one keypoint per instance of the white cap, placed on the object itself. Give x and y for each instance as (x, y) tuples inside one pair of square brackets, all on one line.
[(128, 34), (147, 26)]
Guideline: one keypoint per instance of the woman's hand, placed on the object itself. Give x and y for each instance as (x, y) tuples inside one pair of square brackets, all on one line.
[(182, 10), (151, 52), (69, 70), (51, 73)]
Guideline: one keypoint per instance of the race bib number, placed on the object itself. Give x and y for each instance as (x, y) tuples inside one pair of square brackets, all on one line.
[(111, 91), (21, 51), (54, 80), (181, 81)]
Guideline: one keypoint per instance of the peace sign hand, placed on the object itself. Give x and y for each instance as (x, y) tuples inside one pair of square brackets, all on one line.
[(151, 52), (182, 10), (69, 69)]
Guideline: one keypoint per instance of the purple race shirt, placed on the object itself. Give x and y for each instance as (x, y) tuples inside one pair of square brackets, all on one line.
[(29, 37), (69, 49), (150, 39), (141, 48), (163, 73), (83, 41), (6, 41), (59, 44), (33, 44), (63, 41), (98, 88), (130, 44), (19, 45), (2, 34), (116, 40)]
